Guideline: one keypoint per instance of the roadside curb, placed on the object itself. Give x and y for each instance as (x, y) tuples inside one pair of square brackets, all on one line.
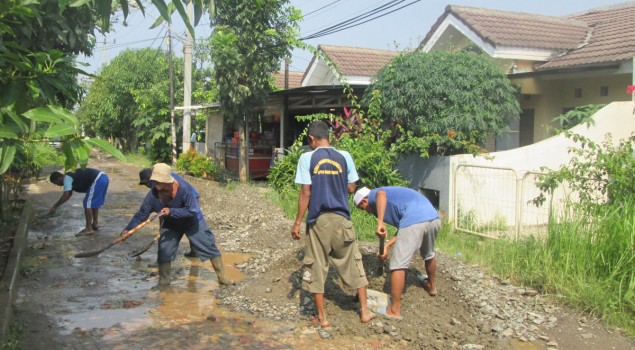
[(10, 279)]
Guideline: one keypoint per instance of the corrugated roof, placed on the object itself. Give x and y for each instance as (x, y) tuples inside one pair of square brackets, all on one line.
[(295, 79), (357, 61)]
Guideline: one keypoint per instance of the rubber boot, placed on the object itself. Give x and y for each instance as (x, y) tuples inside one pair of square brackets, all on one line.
[(165, 270), (219, 268)]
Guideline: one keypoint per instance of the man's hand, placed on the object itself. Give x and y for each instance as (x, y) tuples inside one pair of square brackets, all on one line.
[(164, 212), (295, 230), (383, 256), (52, 210), (381, 230), (123, 233)]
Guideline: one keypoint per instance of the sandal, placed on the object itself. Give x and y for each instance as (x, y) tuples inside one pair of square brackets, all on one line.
[(324, 333)]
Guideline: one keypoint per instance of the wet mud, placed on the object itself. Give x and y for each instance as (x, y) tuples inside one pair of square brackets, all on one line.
[(107, 301)]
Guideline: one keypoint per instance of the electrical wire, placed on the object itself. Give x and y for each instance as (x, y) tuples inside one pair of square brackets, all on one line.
[(321, 8), (353, 22)]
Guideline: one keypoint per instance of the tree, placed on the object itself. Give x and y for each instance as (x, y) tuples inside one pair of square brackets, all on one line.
[(449, 102), (248, 42), (37, 43), (128, 101)]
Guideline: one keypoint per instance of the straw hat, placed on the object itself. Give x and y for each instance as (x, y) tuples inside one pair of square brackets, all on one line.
[(161, 172)]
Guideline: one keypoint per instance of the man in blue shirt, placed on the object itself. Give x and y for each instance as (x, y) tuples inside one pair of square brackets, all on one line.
[(144, 179), (87, 180), (327, 177), (418, 224), (181, 215)]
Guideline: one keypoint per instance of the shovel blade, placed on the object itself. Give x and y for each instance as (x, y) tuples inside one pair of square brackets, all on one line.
[(143, 249), (376, 299), (93, 252)]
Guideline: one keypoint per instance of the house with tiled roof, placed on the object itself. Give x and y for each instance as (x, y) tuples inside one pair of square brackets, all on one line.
[(294, 79), (557, 63), (355, 65)]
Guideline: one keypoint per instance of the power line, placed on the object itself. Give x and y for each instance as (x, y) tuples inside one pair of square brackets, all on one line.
[(377, 12), (114, 46), (323, 7)]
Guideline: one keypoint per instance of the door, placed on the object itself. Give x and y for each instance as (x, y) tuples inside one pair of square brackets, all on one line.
[(526, 127)]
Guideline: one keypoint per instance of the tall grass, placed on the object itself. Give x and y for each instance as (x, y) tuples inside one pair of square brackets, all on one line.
[(139, 159), (587, 259)]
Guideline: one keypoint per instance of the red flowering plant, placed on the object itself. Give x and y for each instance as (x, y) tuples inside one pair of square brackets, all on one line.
[(349, 123)]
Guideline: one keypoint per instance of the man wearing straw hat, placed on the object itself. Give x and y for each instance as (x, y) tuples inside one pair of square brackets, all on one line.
[(181, 215)]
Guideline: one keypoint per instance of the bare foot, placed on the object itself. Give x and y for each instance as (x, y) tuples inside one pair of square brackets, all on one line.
[(432, 290), (367, 316), (85, 232)]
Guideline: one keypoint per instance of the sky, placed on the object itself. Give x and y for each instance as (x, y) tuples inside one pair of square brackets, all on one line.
[(401, 29)]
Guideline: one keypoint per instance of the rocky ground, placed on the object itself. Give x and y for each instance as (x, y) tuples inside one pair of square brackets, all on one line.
[(106, 302), (474, 309)]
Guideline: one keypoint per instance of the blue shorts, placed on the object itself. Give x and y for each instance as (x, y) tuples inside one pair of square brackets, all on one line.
[(96, 194)]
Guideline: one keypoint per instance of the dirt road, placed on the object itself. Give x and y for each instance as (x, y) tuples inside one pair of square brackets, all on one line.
[(106, 302)]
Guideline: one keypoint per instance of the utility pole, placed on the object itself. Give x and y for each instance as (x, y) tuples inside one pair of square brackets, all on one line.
[(187, 80), (172, 125)]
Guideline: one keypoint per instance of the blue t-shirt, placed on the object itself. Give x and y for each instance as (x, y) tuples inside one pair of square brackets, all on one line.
[(185, 211), (404, 206), (329, 172)]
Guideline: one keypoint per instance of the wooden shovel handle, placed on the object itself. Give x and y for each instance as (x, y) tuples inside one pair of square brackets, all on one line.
[(136, 228), (380, 268)]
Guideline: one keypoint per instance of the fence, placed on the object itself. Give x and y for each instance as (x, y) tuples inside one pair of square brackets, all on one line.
[(497, 202)]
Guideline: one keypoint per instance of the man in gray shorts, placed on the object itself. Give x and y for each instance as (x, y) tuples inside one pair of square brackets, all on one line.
[(418, 224)]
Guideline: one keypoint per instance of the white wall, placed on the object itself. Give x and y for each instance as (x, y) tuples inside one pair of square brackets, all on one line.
[(437, 173)]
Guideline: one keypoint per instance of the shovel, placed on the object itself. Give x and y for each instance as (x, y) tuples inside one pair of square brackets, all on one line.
[(118, 240), (380, 268), (145, 248)]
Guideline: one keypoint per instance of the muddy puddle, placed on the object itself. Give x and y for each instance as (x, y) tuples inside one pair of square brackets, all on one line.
[(188, 299)]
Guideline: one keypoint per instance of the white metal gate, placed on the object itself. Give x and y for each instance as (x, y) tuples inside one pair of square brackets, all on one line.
[(496, 202)]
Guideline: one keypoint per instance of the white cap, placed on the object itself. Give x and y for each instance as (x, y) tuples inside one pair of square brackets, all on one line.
[(361, 194)]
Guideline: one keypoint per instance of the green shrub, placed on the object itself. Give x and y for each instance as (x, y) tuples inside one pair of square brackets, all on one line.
[(598, 172), (195, 164), (282, 174), (359, 134), (578, 115)]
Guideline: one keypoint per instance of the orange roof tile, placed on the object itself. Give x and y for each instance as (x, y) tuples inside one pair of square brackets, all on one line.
[(611, 39), (358, 61), (295, 79), (597, 36), (505, 28)]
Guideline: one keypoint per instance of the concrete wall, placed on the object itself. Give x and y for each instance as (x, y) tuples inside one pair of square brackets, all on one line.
[(437, 173), (549, 96), (213, 132), (432, 173)]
